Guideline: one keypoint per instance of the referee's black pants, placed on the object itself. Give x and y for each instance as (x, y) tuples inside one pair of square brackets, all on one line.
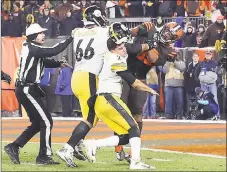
[(41, 121)]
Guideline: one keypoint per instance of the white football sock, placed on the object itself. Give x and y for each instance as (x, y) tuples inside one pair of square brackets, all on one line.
[(107, 142), (135, 143)]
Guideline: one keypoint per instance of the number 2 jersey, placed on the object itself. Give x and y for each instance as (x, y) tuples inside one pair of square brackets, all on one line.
[(109, 80), (90, 45)]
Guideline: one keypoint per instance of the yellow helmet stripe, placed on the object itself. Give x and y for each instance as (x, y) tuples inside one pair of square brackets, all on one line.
[(113, 33)]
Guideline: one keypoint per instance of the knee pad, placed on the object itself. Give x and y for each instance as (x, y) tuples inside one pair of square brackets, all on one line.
[(134, 132)]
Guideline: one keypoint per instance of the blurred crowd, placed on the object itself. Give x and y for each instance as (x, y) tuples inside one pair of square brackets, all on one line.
[(61, 16), (180, 81)]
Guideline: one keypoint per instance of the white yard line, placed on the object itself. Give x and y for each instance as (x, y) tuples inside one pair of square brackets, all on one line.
[(145, 120), (156, 150), (179, 152), (186, 121)]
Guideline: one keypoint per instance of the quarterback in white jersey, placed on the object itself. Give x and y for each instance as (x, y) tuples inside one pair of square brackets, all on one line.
[(89, 49), (109, 81), (112, 110)]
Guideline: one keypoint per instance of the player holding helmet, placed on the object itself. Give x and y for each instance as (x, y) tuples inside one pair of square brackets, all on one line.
[(140, 63), (108, 105), (89, 47)]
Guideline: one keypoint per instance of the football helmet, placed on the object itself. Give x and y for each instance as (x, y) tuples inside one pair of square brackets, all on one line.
[(93, 15), (119, 33), (170, 33)]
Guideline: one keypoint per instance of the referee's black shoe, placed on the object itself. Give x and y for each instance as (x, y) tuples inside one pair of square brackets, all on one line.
[(45, 160), (13, 151)]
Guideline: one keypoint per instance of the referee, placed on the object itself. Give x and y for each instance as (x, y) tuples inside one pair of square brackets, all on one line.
[(29, 94)]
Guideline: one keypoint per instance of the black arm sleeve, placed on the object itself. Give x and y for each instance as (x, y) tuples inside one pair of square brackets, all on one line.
[(134, 48), (127, 76), (41, 52), (51, 63)]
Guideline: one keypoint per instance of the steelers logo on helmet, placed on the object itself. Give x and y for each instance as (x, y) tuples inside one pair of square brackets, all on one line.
[(93, 15), (170, 33), (97, 13), (119, 33)]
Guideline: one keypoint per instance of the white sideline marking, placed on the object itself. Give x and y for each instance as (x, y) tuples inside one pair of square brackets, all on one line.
[(186, 121), (186, 153), (155, 150), (145, 120)]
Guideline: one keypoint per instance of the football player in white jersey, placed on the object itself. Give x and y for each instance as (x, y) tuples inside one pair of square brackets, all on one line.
[(111, 109), (89, 49)]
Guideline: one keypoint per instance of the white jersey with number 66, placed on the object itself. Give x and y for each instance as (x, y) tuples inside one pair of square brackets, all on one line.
[(89, 47)]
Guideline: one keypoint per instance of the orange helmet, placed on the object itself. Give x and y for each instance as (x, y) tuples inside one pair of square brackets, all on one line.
[(171, 32)]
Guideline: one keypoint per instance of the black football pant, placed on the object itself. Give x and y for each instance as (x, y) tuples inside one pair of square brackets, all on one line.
[(41, 121)]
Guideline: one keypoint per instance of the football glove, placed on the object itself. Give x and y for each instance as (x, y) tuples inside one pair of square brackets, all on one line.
[(144, 28)]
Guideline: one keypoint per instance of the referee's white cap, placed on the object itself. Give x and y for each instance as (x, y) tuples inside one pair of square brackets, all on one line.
[(34, 28)]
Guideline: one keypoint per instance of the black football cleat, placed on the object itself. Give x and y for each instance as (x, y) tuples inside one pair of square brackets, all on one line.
[(79, 155), (45, 160), (13, 152), (78, 151), (128, 157)]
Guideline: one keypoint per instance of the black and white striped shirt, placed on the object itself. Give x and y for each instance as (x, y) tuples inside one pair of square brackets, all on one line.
[(34, 59)]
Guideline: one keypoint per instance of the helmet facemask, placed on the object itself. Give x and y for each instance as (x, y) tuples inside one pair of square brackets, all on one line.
[(169, 35)]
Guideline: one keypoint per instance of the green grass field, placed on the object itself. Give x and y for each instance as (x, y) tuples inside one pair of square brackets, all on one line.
[(106, 161)]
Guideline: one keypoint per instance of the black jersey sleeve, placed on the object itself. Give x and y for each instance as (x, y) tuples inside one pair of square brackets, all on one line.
[(127, 76), (134, 48), (42, 52)]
